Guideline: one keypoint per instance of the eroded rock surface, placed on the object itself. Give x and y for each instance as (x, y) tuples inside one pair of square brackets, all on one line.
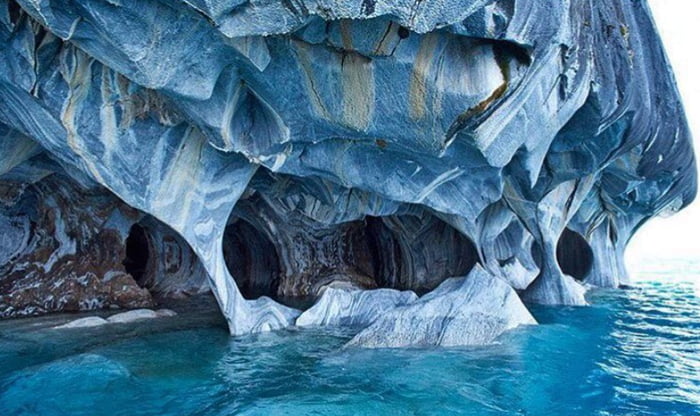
[(64, 249), (471, 310), (264, 149), (67, 248), (356, 308)]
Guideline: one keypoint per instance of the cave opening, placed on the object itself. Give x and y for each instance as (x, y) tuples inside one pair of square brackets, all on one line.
[(137, 254), (574, 255), (291, 261), (410, 252), (252, 260)]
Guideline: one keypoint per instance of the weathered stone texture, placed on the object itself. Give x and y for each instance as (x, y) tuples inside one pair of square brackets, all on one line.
[(273, 148)]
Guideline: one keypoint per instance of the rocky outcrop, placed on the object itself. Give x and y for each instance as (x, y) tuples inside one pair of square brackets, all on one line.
[(472, 310), (271, 148)]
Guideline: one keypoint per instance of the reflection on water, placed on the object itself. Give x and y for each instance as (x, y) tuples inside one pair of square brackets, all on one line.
[(633, 352)]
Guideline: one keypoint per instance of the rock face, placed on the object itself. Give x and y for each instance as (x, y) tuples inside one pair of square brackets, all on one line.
[(471, 310), (264, 149), (65, 249)]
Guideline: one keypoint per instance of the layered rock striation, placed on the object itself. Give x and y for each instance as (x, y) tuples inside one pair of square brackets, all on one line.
[(268, 149)]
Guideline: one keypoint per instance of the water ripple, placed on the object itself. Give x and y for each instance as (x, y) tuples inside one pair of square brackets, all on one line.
[(634, 352)]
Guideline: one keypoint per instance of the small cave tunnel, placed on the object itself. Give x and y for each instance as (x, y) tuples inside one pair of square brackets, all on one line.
[(252, 260), (574, 255), (137, 254)]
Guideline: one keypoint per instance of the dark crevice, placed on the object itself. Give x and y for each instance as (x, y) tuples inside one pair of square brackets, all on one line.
[(384, 249), (612, 232), (417, 253), (574, 255), (367, 7), (405, 252), (15, 11), (252, 260), (137, 254), (504, 49)]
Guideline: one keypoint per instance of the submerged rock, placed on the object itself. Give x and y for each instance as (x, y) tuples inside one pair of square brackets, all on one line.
[(165, 313), (353, 307), (472, 310), (119, 318), (139, 314), (261, 149), (131, 316), (89, 322)]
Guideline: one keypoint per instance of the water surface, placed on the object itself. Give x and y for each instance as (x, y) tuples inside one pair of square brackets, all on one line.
[(633, 352)]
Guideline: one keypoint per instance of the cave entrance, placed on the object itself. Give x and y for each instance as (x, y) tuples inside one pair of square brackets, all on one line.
[(137, 254), (252, 260), (292, 262), (574, 255), (417, 252)]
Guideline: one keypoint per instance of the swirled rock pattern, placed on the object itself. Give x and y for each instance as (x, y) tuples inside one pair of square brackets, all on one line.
[(343, 307), (270, 148)]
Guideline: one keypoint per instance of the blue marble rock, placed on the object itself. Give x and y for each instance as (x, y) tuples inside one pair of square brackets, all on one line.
[(358, 308), (265, 149)]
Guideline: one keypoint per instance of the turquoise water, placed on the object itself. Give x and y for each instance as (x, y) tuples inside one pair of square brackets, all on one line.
[(633, 352)]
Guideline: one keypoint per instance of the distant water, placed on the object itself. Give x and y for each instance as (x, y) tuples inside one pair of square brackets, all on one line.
[(633, 352)]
